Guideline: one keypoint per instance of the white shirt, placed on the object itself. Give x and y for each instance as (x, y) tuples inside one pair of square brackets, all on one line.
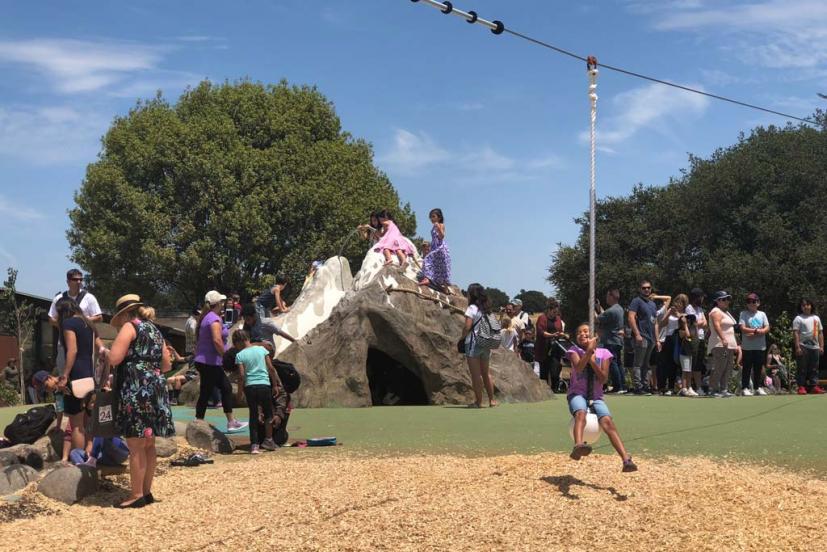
[(190, 330), (700, 333), (89, 305), (509, 339), (520, 322)]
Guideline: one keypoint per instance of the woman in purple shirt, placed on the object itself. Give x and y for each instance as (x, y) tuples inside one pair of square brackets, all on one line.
[(211, 339), (589, 362)]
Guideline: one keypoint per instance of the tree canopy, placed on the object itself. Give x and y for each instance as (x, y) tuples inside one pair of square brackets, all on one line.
[(533, 300), (496, 298), (229, 186), (748, 218)]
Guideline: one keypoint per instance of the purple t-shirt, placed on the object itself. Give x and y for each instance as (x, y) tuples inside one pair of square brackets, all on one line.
[(205, 352), (579, 380)]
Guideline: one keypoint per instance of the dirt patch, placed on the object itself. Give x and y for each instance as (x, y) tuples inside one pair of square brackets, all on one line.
[(335, 499)]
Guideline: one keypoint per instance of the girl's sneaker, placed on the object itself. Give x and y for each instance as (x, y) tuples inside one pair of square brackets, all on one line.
[(236, 426), (254, 449), (802, 390), (269, 444), (746, 392), (629, 466), (691, 392), (761, 391)]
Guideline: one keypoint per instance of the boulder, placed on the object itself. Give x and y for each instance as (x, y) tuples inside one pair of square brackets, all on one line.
[(394, 342), (203, 435), (69, 484), (50, 446), (8, 458), (27, 454), (15, 477), (165, 446), (189, 392)]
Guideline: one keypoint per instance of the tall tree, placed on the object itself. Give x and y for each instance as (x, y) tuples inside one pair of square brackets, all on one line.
[(496, 298), (533, 300), (748, 218), (17, 319), (224, 189)]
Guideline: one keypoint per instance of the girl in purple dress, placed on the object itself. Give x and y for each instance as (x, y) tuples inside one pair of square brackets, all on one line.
[(392, 241), (436, 267)]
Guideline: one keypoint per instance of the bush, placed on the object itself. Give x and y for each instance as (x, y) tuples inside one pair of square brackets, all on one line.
[(8, 395)]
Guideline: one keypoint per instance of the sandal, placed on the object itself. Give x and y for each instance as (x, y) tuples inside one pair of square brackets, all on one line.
[(579, 451)]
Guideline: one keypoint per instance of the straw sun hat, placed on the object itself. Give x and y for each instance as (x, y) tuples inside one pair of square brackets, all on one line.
[(123, 305)]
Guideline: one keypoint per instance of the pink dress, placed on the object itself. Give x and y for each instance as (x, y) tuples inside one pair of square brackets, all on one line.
[(393, 240)]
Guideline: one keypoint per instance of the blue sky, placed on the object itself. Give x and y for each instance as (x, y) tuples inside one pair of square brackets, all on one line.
[(489, 128)]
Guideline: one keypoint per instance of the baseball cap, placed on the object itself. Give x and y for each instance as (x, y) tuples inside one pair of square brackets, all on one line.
[(40, 377), (213, 297), (517, 302)]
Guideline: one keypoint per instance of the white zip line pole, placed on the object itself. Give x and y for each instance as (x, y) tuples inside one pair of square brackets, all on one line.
[(496, 27), (591, 66)]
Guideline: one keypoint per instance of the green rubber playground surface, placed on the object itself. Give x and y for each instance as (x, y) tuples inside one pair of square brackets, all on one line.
[(788, 431)]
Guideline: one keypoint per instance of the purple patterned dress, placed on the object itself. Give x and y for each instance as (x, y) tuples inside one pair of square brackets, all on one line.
[(437, 264)]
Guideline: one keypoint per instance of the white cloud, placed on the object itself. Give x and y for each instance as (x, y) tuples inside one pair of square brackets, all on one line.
[(10, 210), (77, 66), (653, 106), (50, 135), (412, 153), (780, 34)]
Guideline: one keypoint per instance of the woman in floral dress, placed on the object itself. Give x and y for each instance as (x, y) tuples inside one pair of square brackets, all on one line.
[(143, 409), (436, 267)]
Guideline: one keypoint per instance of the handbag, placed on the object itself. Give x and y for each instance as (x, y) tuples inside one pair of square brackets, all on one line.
[(82, 387), (101, 422), (461, 345)]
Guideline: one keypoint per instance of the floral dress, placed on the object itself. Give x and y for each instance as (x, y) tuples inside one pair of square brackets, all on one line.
[(143, 407), (437, 264)]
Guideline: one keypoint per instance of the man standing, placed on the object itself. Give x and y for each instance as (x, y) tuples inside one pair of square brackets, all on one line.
[(261, 330), (519, 319), (190, 332), (85, 300), (696, 309), (610, 328), (11, 374), (642, 312), (547, 351)]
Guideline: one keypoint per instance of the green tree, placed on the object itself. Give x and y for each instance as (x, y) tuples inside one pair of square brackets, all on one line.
[(533, 300), (17, 319), (496, 298), (224, 189), (746, 219)]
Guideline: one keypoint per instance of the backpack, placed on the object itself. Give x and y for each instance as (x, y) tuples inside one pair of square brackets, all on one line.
[(31, 425), (228, 361), (79, 298), (289, 376), (488, 333)]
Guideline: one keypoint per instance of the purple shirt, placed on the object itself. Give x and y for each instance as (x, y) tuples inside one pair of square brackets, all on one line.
[(579, 380), (205, 352)]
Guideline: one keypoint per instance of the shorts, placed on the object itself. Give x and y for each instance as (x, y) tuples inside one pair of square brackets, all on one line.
[(71, 404), (686, 363), (578, 402), (472, 351)]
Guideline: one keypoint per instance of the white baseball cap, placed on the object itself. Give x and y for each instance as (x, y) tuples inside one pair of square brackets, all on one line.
[(213, 297)]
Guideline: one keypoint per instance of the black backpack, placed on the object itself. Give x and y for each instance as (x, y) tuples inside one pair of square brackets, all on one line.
[(31, 425), (289, 376), (228, 361)]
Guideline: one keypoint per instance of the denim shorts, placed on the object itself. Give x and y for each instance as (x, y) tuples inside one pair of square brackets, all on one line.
[(473, 351), (578, 402)]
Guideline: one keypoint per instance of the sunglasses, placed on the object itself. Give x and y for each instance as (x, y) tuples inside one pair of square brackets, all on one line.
[(75, 279), (645, 288), (752, 301)]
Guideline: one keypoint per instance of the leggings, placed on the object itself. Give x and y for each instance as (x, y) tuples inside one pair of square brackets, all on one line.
[(753, 363), (666, 365), (258, 395), (212, 377)]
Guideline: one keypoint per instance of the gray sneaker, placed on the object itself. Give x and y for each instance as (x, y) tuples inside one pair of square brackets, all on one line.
[(269, 444)]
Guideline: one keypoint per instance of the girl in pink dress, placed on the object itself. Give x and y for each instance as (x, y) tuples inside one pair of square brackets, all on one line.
[(392, 241)]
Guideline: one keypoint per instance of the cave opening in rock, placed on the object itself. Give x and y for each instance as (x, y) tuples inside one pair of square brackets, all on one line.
[(392, 383)]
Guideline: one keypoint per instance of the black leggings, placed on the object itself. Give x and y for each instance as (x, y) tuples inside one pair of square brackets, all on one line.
[(212, 377), (753, 363), (258, 395), (667, 368)]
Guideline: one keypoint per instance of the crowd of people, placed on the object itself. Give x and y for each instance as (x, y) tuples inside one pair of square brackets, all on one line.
[(674, 346)]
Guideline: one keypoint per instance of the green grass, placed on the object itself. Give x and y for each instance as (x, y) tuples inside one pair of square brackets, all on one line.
[(783, 430)]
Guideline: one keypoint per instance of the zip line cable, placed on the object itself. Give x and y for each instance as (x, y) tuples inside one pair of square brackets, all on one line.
[(498, 27)]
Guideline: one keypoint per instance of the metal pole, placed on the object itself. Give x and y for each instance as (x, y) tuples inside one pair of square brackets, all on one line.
[(592, 72)]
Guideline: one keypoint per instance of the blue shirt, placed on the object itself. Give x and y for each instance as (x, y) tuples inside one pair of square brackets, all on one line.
[(255, 365), (645, 310)]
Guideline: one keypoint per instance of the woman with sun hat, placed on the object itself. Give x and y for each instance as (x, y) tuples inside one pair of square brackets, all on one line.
[(143, 410)]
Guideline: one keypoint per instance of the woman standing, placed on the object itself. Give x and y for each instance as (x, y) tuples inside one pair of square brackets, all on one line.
[(436, 267), (211, 339), (722, 344), (476, 356), (143, 411), (78, 338)]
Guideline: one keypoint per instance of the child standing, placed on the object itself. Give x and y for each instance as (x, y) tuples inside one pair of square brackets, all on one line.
[(392, 241), (436, 268), (255, 374), (509, 335), (589, 371), (808, 334)]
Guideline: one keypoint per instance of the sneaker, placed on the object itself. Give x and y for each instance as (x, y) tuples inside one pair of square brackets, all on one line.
[(700, 393), (802, 390), (716, 394), (580, 451), (235, 426), (638, 391), (761, 391), (817, 390), (691, 392), (92, 462), (668, 393), (254, 449), (726, 394), (746, 392), (682, 392), (622, 392), (269, 444), (629, 466)]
